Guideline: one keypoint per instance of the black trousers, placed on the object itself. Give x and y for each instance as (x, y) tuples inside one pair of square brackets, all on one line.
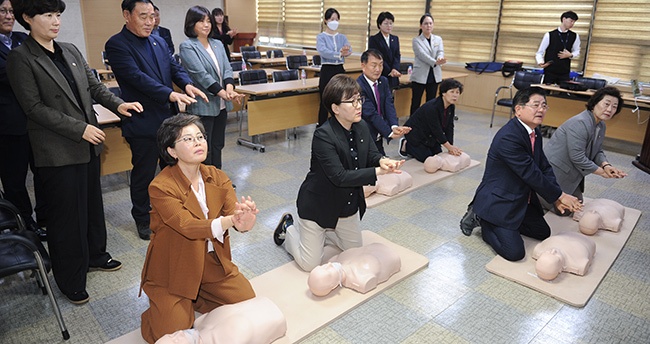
[(507, 242), (553, 78), (15, 157), (145, 158), (76, 230), (327, 72), (421, 152), (215, 129), (417, 91)]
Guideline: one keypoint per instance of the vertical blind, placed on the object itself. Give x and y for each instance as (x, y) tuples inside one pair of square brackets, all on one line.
[(523, 23), (467, 28), (407, 15), (482, 30), (620, 42)]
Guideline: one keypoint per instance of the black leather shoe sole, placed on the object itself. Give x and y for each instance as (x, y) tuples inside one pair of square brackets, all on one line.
[(281, 229), (469, 222), (110, 265), (78, 298)]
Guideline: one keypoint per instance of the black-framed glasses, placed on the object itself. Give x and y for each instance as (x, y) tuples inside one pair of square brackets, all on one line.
[(356, 101), (188, 139)]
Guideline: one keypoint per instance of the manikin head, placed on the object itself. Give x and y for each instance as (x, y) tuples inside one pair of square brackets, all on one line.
[(549, 264), (432, 163), (325, 278), (590, 222)]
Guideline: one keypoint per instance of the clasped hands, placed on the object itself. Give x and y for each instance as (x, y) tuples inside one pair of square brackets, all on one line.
[(388, 165), (400, 131), (245, 214), (612, 172), (568, 202)]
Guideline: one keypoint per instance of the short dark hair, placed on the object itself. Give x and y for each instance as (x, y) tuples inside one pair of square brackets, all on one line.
[(570, 15), (129, 5), (523, 96), (155, 8), (194, 15), (424, 16), (601, 93), (217, 12), (383, 16), (31, 8), (329, 12), (371, 52), (338, 88), (450, 84), (170, 131)]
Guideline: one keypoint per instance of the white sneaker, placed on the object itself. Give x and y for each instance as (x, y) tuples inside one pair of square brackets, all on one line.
[(401, 148)]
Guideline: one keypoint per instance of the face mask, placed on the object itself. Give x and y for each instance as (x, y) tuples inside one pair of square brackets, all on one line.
[(333, 25)]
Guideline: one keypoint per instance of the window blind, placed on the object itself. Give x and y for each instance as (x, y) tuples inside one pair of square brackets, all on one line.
[(302, 21), (620, 42), (269, 18), (523, 23)]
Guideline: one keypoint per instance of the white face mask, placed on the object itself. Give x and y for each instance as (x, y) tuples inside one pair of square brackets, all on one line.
[(333, 25)]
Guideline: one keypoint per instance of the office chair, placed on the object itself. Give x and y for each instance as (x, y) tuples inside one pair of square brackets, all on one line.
[(404, 67), (295, 61), (21, 250), (247, 48), (253, 76), (236, 66), (521, 80), (250, 55), (285, 75), (276, 53), (105, 60), (591, 83), (315, 60)]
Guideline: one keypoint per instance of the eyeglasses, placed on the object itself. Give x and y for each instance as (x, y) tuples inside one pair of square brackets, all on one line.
[(536, 107), (191, 139), (356, 101), (4, 12)]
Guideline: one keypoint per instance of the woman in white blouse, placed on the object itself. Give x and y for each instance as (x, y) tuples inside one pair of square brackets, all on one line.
[(429, 56)]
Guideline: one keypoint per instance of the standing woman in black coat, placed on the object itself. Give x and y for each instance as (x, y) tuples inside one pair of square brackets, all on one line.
[(222, 31)]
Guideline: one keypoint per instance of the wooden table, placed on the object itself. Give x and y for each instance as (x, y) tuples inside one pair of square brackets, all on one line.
[(116, 155), (278, 106), (564, 104), (352, 68)]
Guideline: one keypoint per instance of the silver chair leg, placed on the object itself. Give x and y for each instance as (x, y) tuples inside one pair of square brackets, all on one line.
[(55, 306)]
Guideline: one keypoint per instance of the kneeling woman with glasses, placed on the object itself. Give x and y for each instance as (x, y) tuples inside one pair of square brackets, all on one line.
[(188, 266), (330, 202)]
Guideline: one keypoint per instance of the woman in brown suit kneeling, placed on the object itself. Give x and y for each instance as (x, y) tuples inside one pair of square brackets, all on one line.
[(188, 265)]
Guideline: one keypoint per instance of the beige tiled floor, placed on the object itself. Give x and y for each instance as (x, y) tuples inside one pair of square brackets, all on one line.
[(454, 300)]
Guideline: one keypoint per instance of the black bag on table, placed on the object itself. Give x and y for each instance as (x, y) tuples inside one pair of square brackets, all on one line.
[(510, 67)]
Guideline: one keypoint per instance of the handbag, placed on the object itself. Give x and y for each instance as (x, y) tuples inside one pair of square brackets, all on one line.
[(510, 67), (484, 67)]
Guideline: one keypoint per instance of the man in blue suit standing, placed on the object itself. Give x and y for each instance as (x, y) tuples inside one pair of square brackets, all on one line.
[(14, 142), (378, 108), (162, 31), (145, 71), (516, 171)]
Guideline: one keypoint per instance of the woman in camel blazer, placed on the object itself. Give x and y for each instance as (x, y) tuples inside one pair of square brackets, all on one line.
[(188, 266)]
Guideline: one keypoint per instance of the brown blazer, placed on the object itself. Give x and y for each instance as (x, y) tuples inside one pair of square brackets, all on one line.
[(180, 231)]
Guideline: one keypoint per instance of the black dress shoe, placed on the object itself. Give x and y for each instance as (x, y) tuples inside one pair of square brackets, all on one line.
[(42, 233), (144, 232), (281, 230), (78, 298), (469, 221), (110, 265)]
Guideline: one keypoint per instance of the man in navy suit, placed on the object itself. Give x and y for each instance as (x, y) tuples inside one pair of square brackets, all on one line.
[(145, 71), (516, 171), (14, 142), (162, 31), (388, 45), (378, 109)]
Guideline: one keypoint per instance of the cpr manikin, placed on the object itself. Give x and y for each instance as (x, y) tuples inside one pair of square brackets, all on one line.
[(568, 252), (254, 321), (598, 214), (360, 269), (446, 162), (390, 184)]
